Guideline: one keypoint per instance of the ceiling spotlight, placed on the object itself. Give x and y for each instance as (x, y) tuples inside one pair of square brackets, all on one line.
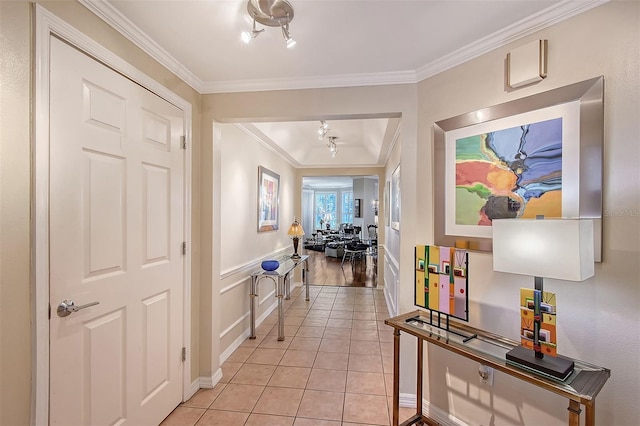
[(247, 36), (322, 131), (285, 33), (333, 149)]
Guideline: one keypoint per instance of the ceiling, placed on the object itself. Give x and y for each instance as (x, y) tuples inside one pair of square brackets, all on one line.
[(331, 182), (339, 43)]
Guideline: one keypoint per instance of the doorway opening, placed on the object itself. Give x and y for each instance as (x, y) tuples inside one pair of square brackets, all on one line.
[(340, 216)]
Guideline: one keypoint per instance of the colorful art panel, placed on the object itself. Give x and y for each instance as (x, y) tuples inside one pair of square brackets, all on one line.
[(421, 284), (441, 280), (547, 333), (445, 291)]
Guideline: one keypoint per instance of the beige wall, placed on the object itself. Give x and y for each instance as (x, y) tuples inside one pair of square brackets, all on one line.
[(601, 41), (15, 173), (15, 312), (598, 318), (240, 246), (218, 109)]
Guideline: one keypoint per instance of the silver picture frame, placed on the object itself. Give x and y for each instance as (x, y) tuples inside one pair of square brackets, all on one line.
[(586, 191)]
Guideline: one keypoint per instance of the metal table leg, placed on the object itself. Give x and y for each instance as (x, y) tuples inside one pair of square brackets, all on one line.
[(279, 295), (305, 280), (287, 287), (252, 306)]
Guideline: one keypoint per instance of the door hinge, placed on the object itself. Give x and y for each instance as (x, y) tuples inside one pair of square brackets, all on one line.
[(184, 248), (184, 354), (183, 142), (49, 310)]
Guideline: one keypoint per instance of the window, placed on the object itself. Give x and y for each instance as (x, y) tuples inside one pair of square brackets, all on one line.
[(326, 206), (347, 207)]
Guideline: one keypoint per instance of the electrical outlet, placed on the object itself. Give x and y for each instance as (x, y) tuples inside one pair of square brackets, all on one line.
[(486, 375)]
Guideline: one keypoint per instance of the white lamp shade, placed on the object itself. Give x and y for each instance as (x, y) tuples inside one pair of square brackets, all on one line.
[(548, 248)]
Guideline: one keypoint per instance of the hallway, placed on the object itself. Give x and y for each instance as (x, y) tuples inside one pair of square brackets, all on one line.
[(334, 367)]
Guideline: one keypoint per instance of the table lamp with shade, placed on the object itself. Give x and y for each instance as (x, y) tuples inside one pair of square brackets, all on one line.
[(327, 220), (562, 249), (295, 232)]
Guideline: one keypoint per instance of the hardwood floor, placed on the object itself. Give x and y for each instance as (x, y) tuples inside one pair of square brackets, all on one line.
[(325, 270)]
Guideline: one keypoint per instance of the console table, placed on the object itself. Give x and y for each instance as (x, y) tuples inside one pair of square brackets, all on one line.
[(580, 388), (281, 279)]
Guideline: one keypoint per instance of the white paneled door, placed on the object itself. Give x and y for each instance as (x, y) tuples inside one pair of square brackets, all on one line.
[(116, 232)]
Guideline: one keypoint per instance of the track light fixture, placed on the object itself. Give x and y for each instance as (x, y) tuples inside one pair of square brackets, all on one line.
[(333, 149), (247, 36), (287, 36), (272, 13), (323, 130)]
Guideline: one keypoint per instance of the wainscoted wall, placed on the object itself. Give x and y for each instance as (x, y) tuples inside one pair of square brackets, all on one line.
[(391, 281), (235, 308), (237, 242)]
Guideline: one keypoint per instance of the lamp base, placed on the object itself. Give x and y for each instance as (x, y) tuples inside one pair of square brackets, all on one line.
[(556, 368), (295, 254)]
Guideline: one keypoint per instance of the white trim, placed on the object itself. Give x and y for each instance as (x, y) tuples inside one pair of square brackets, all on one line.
[(396, 136), (391, 283), (210, 382), (243, 336), (234, 285), (251, 264), (48, 24), (233, 346), (195, 386), (266, 297), (105, 11), (251, 131), (235, 323), (327, 81), (390, 257), (552, 15), (431, 411), (40, 222)]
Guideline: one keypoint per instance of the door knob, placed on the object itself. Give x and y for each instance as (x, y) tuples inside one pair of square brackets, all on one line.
[(67, 307)]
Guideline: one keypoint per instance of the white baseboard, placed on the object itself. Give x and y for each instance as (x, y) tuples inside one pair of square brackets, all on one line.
[(193, 388), (210, 382), (431, 411)]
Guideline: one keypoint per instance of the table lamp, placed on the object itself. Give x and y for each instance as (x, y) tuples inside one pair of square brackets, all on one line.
[(327, 220), (295, 232), (553, 248)]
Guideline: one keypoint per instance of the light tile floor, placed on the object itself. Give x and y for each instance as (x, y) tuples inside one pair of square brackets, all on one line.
[(334, 368)]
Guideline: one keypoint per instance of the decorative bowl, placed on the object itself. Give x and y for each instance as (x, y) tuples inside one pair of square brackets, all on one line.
[(270, 265)]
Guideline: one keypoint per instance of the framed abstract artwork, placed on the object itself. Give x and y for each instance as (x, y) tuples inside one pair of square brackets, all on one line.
[(268, 190), (357, 207), (536, 156), (395, 199)]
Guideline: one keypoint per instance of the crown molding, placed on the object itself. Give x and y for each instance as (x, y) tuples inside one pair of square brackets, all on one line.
[(105, 11), (550, 16), (319, 82), (251, 131), (539, 21)]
